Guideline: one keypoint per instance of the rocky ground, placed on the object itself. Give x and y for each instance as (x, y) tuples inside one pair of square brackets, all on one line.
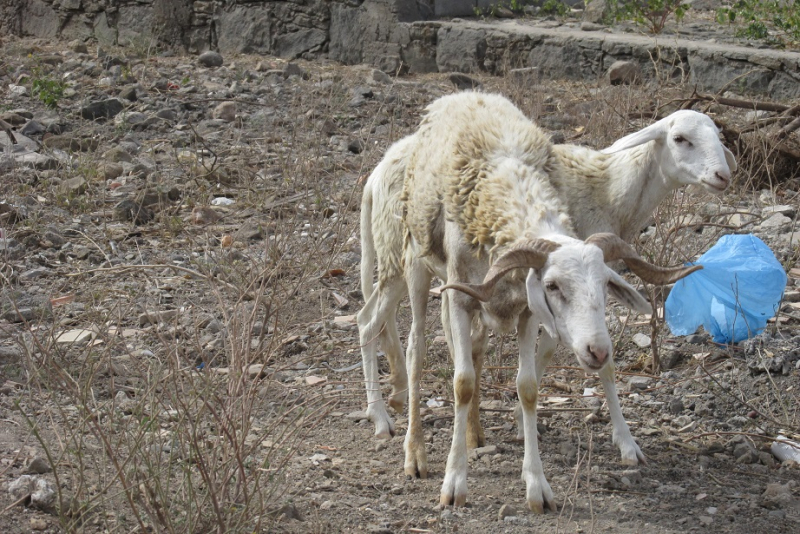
[(177, 342)]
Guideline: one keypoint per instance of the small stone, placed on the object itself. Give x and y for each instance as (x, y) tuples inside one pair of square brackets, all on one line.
[(488, 449), (132, 211), (587, 26), (9, 355), (210, 59), (38, 466), (326, 505), (102, 109), (129, 93), (464, 82), (356, 146), (74, 186), (33, 128), (506, 511), (357, 416), (38, 523), (225, 111), (777, 220), (777, 495), (786, 210), (697, 339), (33, 274), (118, 155), (676, 406), (705, 519), (202, 215), (293, 69), (670, 359), (638, 382), (130, 118), (642, 341), (624, 73), (381, 77), (111, 170)]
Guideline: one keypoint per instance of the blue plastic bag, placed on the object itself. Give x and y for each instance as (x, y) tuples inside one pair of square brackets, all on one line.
[(737, 291)]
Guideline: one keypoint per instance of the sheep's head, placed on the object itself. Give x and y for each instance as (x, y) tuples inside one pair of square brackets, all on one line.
[(689, 150), (567, 285)]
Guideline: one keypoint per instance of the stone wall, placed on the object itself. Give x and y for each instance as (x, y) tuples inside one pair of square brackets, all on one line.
[(398, 35), (286, 28), (497, 47)]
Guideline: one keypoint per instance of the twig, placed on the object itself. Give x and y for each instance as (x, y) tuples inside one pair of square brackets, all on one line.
[(789, 128), (748, 434), (123, 268), (16, 503), (7, 128)]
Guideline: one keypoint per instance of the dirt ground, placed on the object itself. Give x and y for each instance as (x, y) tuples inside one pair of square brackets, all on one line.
[(173, 362)]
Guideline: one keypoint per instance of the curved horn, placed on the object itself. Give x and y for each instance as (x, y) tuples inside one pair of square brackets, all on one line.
[(531, 254), (614, 248)]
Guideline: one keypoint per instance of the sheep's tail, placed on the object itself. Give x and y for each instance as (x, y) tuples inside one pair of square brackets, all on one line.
[(367, 242)]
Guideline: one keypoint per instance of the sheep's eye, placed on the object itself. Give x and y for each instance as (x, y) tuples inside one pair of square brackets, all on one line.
[(551, 286), (679, 139)]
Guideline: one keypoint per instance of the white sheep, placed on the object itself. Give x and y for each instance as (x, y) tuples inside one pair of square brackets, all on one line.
[(475, 188), (615, 193)]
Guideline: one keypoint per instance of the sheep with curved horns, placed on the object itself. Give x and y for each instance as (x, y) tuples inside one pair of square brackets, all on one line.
[(602, 193), (476, 190)]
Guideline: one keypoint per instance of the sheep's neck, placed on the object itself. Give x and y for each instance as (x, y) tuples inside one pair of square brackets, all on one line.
[(608, 193), (637, 186)]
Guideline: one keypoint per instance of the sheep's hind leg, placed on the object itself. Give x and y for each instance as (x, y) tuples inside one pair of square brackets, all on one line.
[(631, 453), (418, 279), (390, 341), (371, 320)]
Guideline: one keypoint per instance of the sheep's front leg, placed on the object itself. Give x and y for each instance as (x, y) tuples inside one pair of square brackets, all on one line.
[(480, 341), (538, 492), (454, 487), (631, 453), (418, 280), (372, 317), (544, 353)]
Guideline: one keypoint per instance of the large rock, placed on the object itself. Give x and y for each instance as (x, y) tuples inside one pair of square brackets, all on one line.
[(245, 29), (135, 25), (711, 73), (292, 45), (370, 33), (596, 11), (566, 58), (460, 49), (105, 34), (39, 20)]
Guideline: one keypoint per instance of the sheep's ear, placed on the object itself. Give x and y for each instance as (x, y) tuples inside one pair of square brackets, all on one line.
[(538, 304), (729, 159), (626, 295), (655, 131)]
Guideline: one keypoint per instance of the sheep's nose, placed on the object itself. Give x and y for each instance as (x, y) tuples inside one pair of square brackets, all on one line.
[(724, 178), (598, 354)]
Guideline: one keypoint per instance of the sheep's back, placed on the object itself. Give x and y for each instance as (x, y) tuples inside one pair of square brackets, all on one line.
[(455, 170)]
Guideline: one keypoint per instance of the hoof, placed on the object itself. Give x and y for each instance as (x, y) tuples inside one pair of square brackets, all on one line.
[(537, 507)]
